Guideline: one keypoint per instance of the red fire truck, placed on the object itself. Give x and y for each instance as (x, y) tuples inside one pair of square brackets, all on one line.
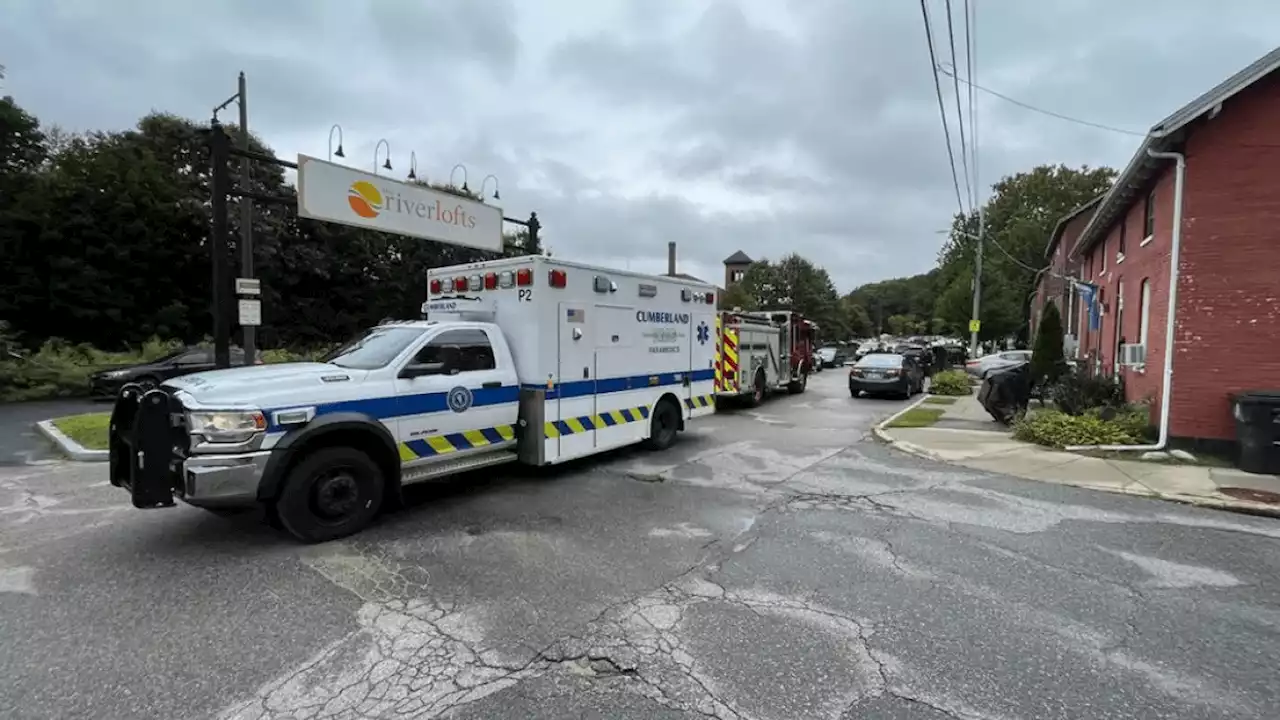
[(758, 353)]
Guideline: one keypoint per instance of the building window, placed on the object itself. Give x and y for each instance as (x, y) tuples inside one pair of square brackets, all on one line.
[(737, 275), (1120, 242), (1149, 221), (1102, 254), (1144, 311)]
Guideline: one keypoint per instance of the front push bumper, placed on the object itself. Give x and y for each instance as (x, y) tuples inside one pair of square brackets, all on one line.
[(149, 456)]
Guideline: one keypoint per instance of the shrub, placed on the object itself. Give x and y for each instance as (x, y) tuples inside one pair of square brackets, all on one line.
[(1133, 419), (60, 369), (1057, 429), (950, 382), (1079, 390), (1047, 359)]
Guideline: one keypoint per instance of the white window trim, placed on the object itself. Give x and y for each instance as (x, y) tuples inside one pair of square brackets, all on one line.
[(1119, 258), (1146, 240)]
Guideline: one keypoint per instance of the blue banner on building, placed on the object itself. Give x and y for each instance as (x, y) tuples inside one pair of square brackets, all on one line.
[(1089, 293)]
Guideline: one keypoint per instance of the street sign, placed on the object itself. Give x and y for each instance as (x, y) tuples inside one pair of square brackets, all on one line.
[(337, 193), (250, 312), (975, 325), (248, 286)]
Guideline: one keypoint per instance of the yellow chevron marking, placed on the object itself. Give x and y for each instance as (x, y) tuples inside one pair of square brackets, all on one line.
[(574, 425), (552, 430), (475, 437), (406, 454), (440, 444), (506, 432), (617, 417)]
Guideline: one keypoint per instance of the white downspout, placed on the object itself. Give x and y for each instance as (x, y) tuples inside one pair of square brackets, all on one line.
[(1166, 386)]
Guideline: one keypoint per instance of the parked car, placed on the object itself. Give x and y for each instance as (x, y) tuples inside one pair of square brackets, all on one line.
[(921, 355), (987, 364), (188, 360), (833, 356), (886, 374)]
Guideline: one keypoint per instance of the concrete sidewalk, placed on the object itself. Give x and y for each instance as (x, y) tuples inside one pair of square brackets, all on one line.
[(969, 441)]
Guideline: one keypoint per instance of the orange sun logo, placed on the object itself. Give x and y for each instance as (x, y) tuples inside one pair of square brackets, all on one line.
[(365, 199)]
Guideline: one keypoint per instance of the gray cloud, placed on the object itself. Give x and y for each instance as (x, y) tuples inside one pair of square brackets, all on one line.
[(770, 127)]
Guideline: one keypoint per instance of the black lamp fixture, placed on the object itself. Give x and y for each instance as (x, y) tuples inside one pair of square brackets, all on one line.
[(338, 152), (413, 165), (386, 165), (465, 189), (496, 196)]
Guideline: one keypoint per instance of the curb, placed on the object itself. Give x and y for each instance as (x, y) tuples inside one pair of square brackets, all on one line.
[(69, 447), (882, 434)]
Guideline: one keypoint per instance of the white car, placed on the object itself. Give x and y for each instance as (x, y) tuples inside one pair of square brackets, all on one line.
[(985, 365)]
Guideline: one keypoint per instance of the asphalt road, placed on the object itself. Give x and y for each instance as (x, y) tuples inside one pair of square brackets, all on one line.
[(775, 564), (20, 444)]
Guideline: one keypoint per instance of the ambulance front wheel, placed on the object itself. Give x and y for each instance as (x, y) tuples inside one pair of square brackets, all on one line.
[(663, 425), (330, 493)]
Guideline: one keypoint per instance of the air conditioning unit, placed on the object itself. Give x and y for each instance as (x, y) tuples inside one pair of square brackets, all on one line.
[(1133, 354)]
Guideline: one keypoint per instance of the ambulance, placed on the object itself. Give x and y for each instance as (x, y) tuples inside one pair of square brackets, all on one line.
[(531, 359), (759, 353)]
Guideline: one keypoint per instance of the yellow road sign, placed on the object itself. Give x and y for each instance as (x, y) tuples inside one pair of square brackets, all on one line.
[(975, 325)]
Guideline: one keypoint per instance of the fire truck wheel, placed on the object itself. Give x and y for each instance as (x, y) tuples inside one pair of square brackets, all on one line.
[(663, 425), (331, 493), (757, 389), (798, 386)]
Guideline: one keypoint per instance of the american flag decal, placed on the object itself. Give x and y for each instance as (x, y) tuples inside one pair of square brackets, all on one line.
[(574, 315)]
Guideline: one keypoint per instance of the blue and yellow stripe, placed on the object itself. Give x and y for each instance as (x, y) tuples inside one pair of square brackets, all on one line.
[(700, 401), (609, 418), (434, 445)]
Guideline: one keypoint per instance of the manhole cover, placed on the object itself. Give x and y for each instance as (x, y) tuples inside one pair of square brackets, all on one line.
[(1260, 496)]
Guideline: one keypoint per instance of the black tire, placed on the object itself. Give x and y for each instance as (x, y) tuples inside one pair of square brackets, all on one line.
[(799, 386), (663, 425), (758, 390), (330, 493)]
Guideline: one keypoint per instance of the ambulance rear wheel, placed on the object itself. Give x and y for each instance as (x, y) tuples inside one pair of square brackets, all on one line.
[(663, 425), (331, 493)]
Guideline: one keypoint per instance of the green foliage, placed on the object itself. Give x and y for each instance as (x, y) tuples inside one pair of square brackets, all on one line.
[(794, 283), (1018, 220), (104, 241), (90, 430), (950, 382), (1078, 391), (1134, 419), (1058, 429), (737, 296), (1048, 361), (901, 306), (61, 369), (917, 417)]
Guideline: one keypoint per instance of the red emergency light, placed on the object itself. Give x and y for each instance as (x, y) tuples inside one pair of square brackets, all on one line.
[(491, 281), (460, 284), (558, 278), (711, 298), (435, 287), (524, 277)]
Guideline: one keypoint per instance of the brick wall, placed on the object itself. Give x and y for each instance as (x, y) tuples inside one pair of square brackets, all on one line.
[(1228, 326), (1227, 329)]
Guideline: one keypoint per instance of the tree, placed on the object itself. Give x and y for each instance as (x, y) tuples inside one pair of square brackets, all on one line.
[(1047, 357), (1019, 218), (794, 283), (737, 296)]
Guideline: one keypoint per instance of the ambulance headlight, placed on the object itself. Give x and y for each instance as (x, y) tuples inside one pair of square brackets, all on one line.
[(226, 426)]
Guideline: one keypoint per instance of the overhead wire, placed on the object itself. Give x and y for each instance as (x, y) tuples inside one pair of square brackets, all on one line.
[(1028, 106), (970, 33), (964, 147), (942, 106)]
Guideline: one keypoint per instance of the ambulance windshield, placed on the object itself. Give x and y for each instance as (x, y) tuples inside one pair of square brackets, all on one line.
[(375, 347)]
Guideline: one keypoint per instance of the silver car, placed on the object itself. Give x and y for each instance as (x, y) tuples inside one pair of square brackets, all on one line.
[(985, 365)]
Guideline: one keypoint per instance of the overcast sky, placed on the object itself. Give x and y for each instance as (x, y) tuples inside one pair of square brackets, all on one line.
[(762, 125)]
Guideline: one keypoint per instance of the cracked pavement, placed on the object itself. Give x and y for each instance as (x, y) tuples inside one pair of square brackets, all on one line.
[(775, 564)]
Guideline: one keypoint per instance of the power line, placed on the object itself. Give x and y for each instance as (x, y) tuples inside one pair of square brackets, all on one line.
[(969, 36), (964, 148), (942, 107), (1027, 106)]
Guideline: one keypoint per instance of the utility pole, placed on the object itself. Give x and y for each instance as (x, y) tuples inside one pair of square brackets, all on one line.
[(246, 219), (219, 153), (977, 287)]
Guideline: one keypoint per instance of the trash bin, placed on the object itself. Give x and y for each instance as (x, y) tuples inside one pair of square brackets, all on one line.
[(1257, 414)]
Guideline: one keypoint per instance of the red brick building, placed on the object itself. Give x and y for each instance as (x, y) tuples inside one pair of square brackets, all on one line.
[(1226, 326)]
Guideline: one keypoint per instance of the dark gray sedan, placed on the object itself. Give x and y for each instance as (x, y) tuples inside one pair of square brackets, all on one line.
[(886, 374)]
